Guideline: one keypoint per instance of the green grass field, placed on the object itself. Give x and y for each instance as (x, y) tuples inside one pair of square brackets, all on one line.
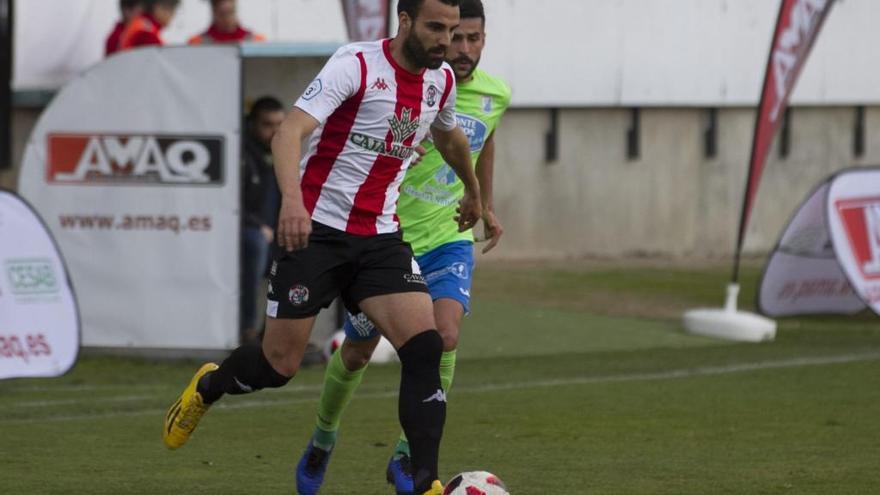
[(572, 379)]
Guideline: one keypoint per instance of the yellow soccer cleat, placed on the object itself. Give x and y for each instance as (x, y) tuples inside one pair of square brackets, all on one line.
[(184, 415), (436, 488)]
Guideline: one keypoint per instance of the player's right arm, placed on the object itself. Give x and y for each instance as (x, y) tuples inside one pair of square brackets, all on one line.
[(338, 81), (294, 221)]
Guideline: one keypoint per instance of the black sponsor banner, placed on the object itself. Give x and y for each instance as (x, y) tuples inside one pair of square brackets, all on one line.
[(135, 159)]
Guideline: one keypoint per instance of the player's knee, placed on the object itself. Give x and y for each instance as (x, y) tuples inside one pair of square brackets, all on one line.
[(449, 334), (281, 364), (422, 352), (357, 356)]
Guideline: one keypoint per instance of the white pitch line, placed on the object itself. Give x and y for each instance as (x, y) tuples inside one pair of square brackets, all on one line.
[(70, 402), (493, 387), (61, 388)]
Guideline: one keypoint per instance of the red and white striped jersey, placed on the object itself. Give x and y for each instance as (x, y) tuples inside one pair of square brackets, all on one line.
[(372, 114)]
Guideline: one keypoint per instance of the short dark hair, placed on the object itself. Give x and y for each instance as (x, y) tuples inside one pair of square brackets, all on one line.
[(264, 104), (129, 4), (412, 7), (471, 9), (214, 3), (149, 5)]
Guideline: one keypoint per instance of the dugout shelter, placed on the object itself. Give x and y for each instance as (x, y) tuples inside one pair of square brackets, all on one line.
[(134, 166)]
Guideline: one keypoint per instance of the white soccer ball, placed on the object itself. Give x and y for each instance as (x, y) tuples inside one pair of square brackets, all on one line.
[(384, 353), (475, 483)]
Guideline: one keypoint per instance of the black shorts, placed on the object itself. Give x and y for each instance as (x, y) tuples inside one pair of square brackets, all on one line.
[(335, 264)]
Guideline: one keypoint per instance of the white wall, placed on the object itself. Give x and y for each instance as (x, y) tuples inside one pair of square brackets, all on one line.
[(672, 200), (57, 39), (671, 52), (553, 53)]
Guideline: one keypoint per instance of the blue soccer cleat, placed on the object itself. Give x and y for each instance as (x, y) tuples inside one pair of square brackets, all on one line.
[(311, 468), (399, 474)]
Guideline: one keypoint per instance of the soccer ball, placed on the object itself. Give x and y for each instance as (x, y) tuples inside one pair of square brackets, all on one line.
[(475, 483), (384, 353), (333, 343)]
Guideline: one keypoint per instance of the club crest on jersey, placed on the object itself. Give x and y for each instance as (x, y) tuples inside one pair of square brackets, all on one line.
[(431, 96), (298, 295), (487, 104)]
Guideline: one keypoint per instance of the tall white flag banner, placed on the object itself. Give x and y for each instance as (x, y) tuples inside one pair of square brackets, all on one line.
[(828, 260), (39, 322), (135, 168)]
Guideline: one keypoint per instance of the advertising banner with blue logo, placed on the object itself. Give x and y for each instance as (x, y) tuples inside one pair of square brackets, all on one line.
[(39, 321), (828, 260), (135, 169)]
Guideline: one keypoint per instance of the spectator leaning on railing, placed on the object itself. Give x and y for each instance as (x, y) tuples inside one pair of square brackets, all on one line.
[(225, 26)]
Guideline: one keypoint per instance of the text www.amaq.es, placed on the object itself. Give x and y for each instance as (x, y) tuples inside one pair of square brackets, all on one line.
[(168, 223)]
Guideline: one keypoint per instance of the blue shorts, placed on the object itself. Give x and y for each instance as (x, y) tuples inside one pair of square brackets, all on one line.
[(448, 270)]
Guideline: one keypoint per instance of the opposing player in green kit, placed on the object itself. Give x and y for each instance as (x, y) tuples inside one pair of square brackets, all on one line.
[(427, 208)]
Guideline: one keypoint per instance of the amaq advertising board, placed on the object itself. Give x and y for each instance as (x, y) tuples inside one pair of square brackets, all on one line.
[(135, 169), (828, 260), (39, 322)]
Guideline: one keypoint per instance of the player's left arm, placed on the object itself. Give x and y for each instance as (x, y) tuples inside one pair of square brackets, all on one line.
[(455, 149), (485, 174)]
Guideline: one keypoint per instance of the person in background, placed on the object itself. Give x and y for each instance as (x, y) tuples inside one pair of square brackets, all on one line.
[(260, 202), (225, 27), (129, 9), (146, 28)]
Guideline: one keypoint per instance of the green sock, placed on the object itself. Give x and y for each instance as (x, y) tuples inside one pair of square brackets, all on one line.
[(447, 369), (339, 386), (447, 372)]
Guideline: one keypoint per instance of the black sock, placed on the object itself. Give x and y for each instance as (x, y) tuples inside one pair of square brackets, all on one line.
[(422, 404), (246, 370)]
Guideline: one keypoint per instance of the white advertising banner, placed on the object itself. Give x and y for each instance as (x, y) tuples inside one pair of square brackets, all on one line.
[(854, 221), (135, 169), (803, 275), (828, 260), (39, 323)]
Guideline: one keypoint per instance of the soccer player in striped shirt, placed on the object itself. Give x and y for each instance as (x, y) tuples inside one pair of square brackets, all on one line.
[(369, 107), (427, 204)]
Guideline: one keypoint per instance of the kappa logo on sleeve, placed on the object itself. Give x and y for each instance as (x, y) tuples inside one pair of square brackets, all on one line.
[(135, 159)]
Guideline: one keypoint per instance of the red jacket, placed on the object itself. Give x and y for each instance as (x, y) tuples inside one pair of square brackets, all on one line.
[(213, 35), (143, 30), (112, 43)]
